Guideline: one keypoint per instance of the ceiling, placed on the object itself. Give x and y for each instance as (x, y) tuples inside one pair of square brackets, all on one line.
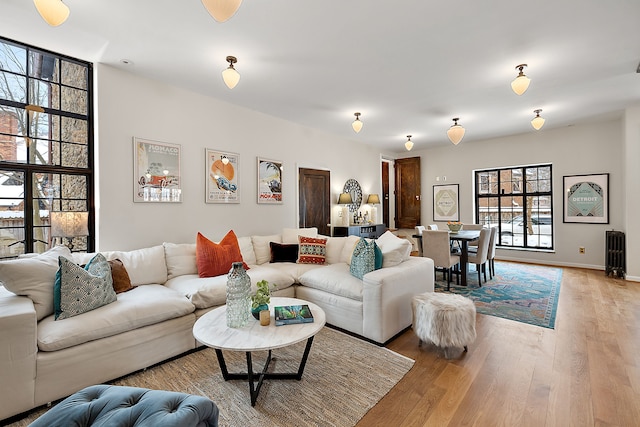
[(408, 66)]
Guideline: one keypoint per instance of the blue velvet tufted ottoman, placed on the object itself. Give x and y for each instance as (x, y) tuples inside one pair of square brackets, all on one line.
[(118, 406)]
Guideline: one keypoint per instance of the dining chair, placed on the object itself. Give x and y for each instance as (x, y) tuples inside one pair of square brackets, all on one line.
[(491, 253), (472, 227), (436, 245), (479, 258), (432, 227), (419, 230)]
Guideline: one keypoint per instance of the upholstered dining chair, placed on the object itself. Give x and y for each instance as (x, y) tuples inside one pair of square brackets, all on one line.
[(436, 245), (479, 258), (472, 227), (491, 253), (432, 227), (419, 230)]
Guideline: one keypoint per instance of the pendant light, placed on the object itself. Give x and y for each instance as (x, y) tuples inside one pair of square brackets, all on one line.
[(521, 83), (408, 145), (230, 76), (537, 121), (357, 124), (221, 10), (54, 12), (455, 132)]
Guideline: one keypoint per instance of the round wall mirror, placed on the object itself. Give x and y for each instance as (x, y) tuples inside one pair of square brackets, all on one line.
[(353, 187)]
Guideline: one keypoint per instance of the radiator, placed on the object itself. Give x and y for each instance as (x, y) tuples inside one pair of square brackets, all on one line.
[(615, 254)]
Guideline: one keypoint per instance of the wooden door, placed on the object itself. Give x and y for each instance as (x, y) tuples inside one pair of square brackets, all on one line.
[(314, 199), (407, 176), (385, 193)]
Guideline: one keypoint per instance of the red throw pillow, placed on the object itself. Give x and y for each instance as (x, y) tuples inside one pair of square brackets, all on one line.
[(214, 259), (311, 250)]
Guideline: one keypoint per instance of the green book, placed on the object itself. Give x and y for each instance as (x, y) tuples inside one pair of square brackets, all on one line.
[(290, 314)]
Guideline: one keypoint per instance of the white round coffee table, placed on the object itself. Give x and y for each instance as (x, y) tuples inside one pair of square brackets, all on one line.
[(211, 330)]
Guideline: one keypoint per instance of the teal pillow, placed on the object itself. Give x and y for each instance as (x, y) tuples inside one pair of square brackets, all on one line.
[(77, 290), (363, 259), (378, 259)]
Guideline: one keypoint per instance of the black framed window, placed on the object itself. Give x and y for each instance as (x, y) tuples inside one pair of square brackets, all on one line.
[(46, 150), (518, 200)]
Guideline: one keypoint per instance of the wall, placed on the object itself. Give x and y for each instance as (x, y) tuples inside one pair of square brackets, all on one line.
[(579, 149), (632, 199), (129, 106)]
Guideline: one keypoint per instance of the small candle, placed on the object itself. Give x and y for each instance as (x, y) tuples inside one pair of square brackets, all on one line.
[(265, 318)]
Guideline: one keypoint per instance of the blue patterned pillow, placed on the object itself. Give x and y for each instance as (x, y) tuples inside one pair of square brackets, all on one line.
[(363, 259), (78, 290)]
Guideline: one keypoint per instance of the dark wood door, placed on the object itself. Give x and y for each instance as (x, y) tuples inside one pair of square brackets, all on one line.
[(408, 192), (315, 199), (385, 193)]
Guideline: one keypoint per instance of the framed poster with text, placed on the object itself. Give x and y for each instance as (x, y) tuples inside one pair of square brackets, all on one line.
[(586, 198), (269, 181), (446, 203), (221, 177), (156, 171)]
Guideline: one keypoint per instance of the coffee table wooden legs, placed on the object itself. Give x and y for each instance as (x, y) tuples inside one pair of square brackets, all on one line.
[(251, 376)]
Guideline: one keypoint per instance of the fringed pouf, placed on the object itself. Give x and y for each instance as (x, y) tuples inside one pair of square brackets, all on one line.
[(447, 320)]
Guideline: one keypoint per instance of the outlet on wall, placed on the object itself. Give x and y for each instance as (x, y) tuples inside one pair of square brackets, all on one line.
[(581, 249)]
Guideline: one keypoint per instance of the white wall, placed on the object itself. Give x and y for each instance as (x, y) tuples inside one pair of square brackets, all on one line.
[(129, 106), (580, 149)]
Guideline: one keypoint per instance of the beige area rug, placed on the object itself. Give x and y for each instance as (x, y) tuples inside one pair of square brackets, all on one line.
[(343, 379)]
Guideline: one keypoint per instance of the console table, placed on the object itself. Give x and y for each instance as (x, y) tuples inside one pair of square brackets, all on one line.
[(370, 231)]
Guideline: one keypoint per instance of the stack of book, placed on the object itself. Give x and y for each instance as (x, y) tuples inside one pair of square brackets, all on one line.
[(291, 314)]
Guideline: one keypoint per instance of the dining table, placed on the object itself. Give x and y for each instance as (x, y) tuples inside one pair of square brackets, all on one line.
[(463, 237)]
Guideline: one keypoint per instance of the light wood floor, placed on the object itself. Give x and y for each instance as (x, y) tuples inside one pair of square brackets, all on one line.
[(585, 372)]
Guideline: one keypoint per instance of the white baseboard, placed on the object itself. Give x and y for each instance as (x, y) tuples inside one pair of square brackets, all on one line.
[(557, 264)]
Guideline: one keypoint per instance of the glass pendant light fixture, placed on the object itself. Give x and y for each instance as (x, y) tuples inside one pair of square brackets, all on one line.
[(521, 83), (357, 124), (221, 10), (408, 145), (537, 121), (455, 132), (230, 76), (54, 12)]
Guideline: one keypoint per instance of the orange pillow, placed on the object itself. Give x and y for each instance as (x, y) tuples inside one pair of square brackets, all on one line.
[(215, 259)]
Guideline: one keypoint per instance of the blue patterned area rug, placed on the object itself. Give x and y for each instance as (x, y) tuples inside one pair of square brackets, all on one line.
[(523, 292)]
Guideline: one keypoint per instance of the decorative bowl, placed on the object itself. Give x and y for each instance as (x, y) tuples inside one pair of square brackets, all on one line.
[(454, 228)]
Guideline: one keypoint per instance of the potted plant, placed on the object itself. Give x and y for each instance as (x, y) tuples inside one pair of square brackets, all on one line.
[(260, 299)]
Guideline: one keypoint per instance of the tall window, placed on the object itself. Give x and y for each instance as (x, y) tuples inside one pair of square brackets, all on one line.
[(518, 201), (46, 150)]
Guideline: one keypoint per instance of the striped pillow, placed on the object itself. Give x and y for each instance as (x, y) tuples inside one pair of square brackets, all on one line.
[(311, 250)]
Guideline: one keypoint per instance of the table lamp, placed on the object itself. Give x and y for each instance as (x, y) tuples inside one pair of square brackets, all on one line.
[(344, 200), (373, 199), (68, 225)]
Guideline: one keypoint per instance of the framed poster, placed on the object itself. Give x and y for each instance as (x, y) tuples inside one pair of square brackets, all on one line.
[(446, 203), (221, 177), (269, 181), (586, 198), (156, 171)]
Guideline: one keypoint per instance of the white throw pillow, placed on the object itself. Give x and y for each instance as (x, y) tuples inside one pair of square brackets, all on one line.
[(34, 277), (290, 235), (347, 250), (246, 249), (394, 249), (261, 247), (335, 245), (180, 258), (145, 266)]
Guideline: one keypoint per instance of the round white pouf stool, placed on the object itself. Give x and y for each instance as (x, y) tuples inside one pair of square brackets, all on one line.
[(447, 320)]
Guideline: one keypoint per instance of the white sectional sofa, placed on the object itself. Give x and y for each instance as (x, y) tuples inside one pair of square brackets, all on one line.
[(43, 359)]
